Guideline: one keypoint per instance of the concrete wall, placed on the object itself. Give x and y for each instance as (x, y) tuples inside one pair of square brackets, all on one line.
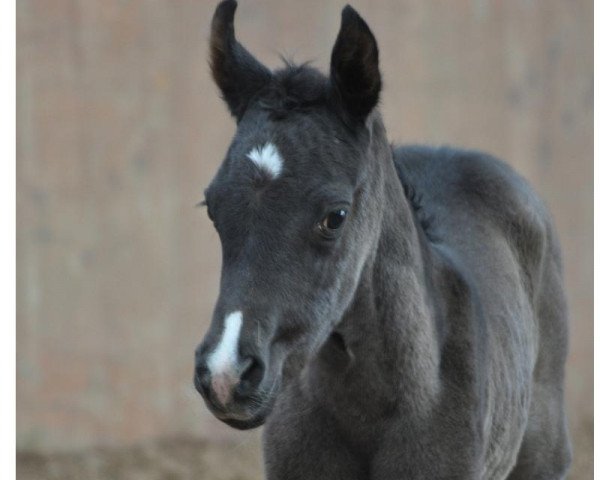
[(120, 129)]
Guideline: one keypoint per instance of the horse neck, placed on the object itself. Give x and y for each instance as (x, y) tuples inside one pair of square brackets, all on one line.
[(392, 311)]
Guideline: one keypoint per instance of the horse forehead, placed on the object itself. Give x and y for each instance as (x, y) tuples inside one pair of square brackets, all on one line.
[(268, 158), (265, 152)]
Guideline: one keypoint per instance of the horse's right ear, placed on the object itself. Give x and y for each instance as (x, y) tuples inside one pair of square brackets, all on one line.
[(236, 72), (355, 75)]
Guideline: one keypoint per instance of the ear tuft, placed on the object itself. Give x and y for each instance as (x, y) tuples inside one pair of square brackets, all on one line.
[(355, 76), (235, 71)]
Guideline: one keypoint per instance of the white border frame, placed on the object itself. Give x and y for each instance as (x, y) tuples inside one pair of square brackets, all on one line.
[(8, 237)]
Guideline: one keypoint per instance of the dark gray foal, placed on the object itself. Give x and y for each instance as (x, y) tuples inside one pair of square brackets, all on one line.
[(386, 313)]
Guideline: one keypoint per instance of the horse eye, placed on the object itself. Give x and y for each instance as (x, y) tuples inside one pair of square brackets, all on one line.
[(333, 221)]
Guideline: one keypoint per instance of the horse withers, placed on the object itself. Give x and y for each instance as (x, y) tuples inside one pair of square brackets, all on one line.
[(385, 312)]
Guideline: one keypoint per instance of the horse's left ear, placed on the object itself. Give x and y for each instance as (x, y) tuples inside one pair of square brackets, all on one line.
[(237, 73), (355, 76)]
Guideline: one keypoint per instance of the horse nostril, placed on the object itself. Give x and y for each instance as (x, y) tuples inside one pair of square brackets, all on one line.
[(252, 371), (202, 379)]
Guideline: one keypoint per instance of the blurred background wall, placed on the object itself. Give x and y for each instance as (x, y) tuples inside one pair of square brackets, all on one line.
[(119, 129)]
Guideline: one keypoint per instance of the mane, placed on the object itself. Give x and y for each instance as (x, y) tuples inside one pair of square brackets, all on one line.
[(294, 88), (415, 200)]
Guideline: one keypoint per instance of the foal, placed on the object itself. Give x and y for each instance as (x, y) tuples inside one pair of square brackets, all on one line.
[(386, 313)]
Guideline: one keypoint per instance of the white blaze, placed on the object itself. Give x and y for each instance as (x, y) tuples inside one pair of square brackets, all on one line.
[(267, 158), (224, 358)]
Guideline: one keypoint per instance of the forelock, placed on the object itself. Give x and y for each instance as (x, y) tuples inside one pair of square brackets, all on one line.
[(294, 88)]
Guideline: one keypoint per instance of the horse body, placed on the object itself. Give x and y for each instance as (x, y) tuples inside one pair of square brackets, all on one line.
[(386, 313), (473, 381)]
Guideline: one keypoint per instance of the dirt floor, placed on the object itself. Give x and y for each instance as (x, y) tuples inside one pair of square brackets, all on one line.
[(191, 459), (174, 459)]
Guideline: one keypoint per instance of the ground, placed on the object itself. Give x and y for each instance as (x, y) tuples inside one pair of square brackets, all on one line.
[(192, 459), (174, 459)]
